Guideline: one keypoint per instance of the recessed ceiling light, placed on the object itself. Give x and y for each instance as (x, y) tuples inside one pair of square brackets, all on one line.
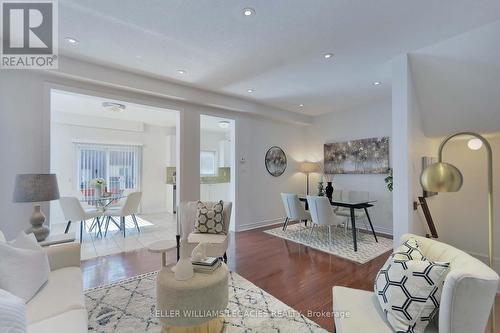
[(301, 105), (328, 55), (250, 91), (377, 83), (71, 40), (138, 56), (181, 71), (224, 124), (475, 144), (113, 107), (248, 11)]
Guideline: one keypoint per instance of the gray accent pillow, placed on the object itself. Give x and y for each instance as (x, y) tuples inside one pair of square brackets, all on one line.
[(209, 220)]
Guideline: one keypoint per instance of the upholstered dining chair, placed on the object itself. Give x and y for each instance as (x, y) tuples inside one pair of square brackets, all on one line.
[(74, 212), (129, 208), (294, 209), (322, 214), (359, 214)]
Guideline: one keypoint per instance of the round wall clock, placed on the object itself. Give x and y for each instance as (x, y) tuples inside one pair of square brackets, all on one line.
[(275, 161)]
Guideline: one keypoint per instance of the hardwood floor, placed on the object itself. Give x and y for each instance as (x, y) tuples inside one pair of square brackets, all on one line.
[(298, 276)]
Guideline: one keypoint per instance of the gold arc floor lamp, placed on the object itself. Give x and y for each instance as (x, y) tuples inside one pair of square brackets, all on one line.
[(445, 177), (307, 168)]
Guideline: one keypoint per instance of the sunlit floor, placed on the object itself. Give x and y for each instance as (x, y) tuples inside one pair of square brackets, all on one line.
[(153, 227)]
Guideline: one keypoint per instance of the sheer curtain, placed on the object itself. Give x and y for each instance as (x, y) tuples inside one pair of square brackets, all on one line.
[(118, 165)]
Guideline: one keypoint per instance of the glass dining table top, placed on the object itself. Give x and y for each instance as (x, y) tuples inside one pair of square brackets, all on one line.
[(101, 199), (344, 202)]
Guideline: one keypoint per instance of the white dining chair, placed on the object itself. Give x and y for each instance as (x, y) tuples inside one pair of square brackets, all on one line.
[(322, 214), (129, 208), (74, 212), (359, 214), (294, 209)]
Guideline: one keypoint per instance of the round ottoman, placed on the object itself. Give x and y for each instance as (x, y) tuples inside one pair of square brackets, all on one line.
[(194, 305)]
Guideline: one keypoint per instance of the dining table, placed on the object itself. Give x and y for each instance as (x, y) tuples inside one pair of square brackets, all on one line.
[(101, 203), (352, 206)]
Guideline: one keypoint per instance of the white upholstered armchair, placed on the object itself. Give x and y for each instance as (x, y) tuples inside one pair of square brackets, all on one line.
[(468, 294), (216, 243)]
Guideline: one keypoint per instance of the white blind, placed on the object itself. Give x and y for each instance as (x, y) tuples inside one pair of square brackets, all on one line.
[(119, 165)]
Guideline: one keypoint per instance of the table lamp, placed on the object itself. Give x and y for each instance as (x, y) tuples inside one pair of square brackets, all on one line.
[(307, 168), (445, 177), (36, 188)]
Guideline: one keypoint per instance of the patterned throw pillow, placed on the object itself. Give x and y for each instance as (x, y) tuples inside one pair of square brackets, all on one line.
[(209, 220), (409, 289)]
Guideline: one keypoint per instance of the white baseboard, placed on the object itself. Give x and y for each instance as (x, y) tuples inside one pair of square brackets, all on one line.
[(380, 230), (260, 224), (266, 223)]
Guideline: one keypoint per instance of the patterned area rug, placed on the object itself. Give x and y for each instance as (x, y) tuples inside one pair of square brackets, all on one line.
[(126, 307), (341, 246)]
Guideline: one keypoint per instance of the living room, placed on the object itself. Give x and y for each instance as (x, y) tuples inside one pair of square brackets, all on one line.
[(308, 105)]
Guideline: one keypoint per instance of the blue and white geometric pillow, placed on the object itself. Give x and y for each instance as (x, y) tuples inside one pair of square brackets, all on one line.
[(409, 290)]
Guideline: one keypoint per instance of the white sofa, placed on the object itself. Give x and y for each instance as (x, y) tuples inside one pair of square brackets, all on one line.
[(59, 306), (216, 244), (468, 294)]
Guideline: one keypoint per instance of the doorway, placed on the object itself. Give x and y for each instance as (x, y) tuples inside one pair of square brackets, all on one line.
[(217, 160), (103, 150)]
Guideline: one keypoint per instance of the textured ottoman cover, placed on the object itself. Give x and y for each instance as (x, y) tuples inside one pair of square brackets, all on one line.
[(194, 301)]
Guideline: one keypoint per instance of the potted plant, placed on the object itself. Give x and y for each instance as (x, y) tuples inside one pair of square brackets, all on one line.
[(388, 180)]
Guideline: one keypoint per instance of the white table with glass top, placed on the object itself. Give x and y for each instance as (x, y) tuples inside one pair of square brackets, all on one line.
[(352, 205), (101, 203)]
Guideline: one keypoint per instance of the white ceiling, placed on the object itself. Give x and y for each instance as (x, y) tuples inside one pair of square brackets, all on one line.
[(73, 103), (458, 82), (69, 102), (278, 52)]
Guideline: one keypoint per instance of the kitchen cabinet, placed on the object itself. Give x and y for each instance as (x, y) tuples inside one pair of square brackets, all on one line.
[(171, 150), (224, 153), (171, 198), (215, 192)]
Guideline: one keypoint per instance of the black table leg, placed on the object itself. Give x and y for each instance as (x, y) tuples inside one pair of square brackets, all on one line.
[(285, 223), (353, 223), (371, 225)]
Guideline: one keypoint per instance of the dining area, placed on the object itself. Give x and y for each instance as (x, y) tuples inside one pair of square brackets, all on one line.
[(94, 212), (338, 223)]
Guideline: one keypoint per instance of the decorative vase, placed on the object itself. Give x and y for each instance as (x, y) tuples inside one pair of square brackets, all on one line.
[(199, 252), (320, 189), (98, 192), (184, 267), (329, 190)]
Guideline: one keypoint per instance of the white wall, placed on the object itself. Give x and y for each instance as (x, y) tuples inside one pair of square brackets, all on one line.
[(365, 122), (209, 141), (409, 146), (257, 191), (462, 217), (25, 128), (154, 151)]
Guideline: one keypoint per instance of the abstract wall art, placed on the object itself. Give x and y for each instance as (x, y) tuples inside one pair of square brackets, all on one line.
[(365, 156)]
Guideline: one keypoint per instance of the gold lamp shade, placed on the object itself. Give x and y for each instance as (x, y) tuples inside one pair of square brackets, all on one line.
[(441, 177)]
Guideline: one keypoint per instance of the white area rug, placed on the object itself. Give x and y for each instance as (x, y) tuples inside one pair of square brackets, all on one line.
[(341, 246), (126, 307)]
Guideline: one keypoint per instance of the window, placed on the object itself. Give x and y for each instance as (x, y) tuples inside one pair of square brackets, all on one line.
[(118, 165), (207, 163)]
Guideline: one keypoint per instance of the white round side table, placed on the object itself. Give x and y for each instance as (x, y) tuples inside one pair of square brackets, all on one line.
[(162, 247), (194, 305)]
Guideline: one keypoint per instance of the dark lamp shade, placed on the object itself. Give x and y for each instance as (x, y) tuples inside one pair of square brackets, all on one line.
[(36, 188), (441, 177)]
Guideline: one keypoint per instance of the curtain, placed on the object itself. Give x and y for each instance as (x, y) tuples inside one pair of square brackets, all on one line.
[(118, 165)]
